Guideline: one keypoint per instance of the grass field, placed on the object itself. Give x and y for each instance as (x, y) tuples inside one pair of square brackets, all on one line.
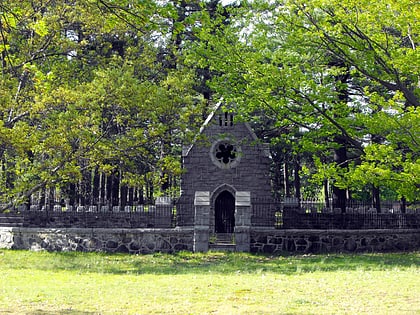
[(211, 283)]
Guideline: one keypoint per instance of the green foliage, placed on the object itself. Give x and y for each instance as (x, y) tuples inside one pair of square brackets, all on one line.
[(327, 76), (118, 86), (83, 87)]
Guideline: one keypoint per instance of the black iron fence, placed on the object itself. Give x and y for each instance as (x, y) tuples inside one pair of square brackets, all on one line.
[(286, 214), (315, 214), (351, 206), (354, 221), (266, 213), (142, 216), (185, 212)]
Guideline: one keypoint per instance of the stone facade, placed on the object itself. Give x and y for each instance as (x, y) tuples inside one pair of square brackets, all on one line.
[(250, 174), (333, 241), (248, 171)]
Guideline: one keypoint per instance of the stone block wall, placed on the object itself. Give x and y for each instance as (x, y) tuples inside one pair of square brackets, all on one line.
[(333, 241), (133, 241)]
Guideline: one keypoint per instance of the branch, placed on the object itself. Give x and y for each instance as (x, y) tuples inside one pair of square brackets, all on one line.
[(413, 45), (343, 131), (11, 121), (4, 40), (111, 8), (332, 44), (276, 114)]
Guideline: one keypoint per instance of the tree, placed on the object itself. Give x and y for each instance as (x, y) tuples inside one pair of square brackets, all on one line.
[(344, 72), (86, 101)]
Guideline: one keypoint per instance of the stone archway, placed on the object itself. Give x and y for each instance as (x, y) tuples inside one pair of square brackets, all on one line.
[(224, 212)]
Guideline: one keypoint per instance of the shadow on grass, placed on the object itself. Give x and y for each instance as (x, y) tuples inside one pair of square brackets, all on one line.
[(246, 263), (200, 263), (62, 312)]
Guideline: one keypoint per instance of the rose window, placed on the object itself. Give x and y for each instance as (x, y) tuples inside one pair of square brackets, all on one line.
[(225, 155)]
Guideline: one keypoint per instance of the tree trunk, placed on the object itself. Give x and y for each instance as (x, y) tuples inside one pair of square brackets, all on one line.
[(130, 196), (100, 189), (72, 194), (340, 153), (122, 195), (403, 204), (326, 194), (286, 182), (115, 189), (296, 169), (340, 157), (376, 199)]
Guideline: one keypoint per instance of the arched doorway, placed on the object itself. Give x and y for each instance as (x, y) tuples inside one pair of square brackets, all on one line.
[(224, 209)]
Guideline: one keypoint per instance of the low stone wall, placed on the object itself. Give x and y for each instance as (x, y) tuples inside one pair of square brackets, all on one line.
[(133, 241), (144, 241), (333, 241)]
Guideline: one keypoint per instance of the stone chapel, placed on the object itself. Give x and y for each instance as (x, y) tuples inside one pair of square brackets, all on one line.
[(226, 174)]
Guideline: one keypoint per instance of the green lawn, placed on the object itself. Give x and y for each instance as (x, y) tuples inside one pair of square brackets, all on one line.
[(212, 283)]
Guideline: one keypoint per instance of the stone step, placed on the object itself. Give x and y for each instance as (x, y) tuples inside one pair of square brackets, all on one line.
[(2, 224), (222, 238), (222, 247), (7, 220)]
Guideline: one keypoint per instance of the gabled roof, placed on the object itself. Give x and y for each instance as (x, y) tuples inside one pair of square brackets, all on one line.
[(186, 150)]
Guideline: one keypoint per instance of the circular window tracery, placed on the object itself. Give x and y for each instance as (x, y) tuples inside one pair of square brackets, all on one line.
[(225, 154)]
